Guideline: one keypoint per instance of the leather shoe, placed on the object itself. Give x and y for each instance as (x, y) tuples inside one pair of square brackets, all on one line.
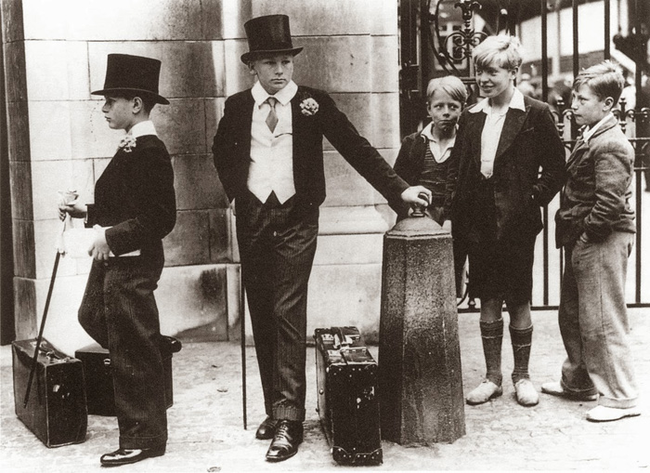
[(266, 430), (125, 456), (608, 414), (555, 388), (288, 435)]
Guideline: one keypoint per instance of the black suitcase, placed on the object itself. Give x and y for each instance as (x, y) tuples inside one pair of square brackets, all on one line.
[(96, 361), (348, 405), (56, 408)]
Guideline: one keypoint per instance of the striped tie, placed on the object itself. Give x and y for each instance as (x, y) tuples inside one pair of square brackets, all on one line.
[(272, 119)]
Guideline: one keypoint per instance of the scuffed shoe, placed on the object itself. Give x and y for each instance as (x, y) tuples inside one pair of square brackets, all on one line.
[(608, 414), (555, 388), (483, 393), (526, 393)]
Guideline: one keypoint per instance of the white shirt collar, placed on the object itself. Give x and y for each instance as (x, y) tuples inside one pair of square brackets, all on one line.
[(284, 95), (427, 132), (142, 129), (516, 102), (589, 132)]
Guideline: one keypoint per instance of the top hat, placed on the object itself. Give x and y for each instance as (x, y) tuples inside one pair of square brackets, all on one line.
[(136, 74), (268, 35)]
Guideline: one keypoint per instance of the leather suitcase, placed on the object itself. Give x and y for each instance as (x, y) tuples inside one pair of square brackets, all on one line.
[(348, 405), (56, 408), (100, 396)]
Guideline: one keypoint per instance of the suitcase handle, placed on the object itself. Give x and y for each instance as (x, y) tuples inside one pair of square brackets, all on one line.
[(346, 337)]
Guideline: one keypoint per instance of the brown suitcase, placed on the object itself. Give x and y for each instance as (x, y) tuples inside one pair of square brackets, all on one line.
[(99, 380), (56, 408), (348, 406)]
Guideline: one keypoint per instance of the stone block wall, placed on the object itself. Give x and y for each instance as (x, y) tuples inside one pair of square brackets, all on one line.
[(56, 54)]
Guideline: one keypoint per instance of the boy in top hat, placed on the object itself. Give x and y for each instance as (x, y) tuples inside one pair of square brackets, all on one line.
[(135, 207), (595, 225), (268, 152)]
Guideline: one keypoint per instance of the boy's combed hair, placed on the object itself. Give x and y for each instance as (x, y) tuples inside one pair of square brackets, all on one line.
[(503, 50), (452, 85), (148, 102), (604, 79)]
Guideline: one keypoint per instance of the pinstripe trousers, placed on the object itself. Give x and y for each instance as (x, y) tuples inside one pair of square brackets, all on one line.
[(277, 246), (119, 311)]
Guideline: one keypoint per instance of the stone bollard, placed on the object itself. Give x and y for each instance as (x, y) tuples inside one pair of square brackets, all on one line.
[(420, 378)]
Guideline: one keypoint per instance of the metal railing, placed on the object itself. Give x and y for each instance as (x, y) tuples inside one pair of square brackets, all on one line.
[(433, 48)]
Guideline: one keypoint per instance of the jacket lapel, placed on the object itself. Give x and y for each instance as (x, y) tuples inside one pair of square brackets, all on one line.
[(582, 147), (474, 131), (511, 127), (297, 122)]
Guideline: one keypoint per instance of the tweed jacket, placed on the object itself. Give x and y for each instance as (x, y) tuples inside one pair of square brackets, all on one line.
[(135, 197), (596, 198), (529, 141), (232, 148)]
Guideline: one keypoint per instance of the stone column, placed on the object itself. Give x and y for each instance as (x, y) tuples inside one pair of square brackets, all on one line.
[(420, 382)]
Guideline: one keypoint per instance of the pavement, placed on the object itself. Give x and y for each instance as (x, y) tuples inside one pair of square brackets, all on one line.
[(206, 432)]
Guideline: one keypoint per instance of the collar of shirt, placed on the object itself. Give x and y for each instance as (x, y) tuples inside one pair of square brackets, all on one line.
[(516, 102), (589, 132), (440, 155), (284, 95), (427, 132), (142, 129)]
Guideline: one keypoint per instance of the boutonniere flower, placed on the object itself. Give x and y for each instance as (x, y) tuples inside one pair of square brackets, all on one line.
[(309, 107), (127, 143)]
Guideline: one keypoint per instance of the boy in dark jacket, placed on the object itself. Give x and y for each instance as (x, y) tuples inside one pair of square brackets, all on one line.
[(135, 207)]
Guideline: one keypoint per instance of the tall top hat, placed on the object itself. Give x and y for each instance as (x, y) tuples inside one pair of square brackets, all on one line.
[(135, 74), (268, 35)]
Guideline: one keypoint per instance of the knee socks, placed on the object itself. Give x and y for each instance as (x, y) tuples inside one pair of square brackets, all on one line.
[(521, 341), (492, 337)]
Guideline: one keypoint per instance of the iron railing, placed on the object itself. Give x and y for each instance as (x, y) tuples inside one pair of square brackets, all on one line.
[(443, 50)]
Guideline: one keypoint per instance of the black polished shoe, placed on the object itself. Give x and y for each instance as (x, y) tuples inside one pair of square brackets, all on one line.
[(266, 430), (125, 456), (288, 435)]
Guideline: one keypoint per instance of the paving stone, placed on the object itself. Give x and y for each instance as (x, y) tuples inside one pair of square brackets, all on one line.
[(206, 434)]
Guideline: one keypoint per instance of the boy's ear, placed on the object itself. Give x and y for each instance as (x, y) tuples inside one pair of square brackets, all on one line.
[(609, 102), (138, 106), (251, 69)]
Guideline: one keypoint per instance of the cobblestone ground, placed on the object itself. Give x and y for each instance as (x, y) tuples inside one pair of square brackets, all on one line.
[(206, 431)]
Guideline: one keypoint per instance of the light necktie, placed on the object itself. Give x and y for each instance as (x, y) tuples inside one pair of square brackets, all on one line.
[(272, 118)]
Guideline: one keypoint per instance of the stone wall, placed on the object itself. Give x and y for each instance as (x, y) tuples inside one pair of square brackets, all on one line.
[(56, 53)]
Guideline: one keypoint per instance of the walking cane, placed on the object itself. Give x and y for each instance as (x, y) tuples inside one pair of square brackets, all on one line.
[(242, 305), (39, 339)]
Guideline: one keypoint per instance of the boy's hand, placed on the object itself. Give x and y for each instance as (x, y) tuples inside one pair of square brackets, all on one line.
[(417, 195), (75, 208), (99, 250), (446, 225)]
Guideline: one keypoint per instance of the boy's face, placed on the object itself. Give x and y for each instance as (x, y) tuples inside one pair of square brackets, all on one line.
[(444, 110), (494, 80), (119, 112), (587, 108), (273, 72)]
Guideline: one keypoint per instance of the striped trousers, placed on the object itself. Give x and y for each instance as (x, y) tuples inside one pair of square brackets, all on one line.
[(277, 246)]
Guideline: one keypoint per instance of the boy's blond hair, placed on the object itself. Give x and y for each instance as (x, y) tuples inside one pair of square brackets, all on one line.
[(452, 85), (503, 50), (604, 80)]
